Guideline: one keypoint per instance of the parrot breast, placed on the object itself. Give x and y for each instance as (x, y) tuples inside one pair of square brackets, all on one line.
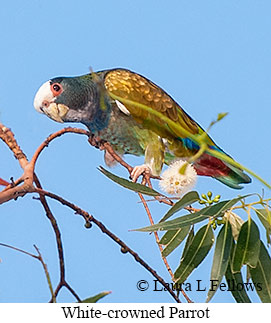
[(124, 134)]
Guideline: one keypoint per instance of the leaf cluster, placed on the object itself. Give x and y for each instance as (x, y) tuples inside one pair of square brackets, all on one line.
[(236, 245)]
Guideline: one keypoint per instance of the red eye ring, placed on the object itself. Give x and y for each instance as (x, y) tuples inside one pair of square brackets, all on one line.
[(56, 89)]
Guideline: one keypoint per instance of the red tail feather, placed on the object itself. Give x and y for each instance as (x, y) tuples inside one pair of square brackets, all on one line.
[(3, 182), (208, 165)]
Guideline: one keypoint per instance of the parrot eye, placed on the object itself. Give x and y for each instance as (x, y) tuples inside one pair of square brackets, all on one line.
[(56, 88)]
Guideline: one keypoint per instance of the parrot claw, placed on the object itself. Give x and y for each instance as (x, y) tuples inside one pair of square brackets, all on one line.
[(96, 142), (139, 170)]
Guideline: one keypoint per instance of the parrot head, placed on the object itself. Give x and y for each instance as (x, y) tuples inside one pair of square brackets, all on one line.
[(60, 97), (73, 99)]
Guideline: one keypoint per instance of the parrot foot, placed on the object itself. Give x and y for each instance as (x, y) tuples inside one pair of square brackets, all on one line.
[(139, 170), (96, 142)]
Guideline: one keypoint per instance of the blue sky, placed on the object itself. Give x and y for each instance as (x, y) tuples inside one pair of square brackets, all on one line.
[(210, 56)]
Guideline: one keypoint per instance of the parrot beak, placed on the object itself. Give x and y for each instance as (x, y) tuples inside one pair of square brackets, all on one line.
[(55, 111), (44, 102)]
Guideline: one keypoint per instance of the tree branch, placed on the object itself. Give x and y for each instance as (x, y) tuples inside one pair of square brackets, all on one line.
[(125, 248), (54, 136), (25, 184), (38, 257), (49, 214), (28, 177)]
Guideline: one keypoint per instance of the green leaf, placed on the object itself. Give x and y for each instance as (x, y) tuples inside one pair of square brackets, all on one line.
[(189, 219), (248, 246), (187, 199), (261, 275), (177, 223), (196, 252), (265, 217), (188, 242), (236, 223), (176, 240), (167, 237), (234, 280), (221, 257), (96, 298), (221, 115), (219, 208), (136, 187)]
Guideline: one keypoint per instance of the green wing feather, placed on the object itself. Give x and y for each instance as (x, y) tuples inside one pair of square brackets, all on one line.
[(132, 86)]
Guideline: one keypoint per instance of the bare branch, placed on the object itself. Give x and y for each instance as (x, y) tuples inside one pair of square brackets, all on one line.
[(8, 137), (46, 273), (28, 178), (160, 246), (54, 136), (49, 214), (14, 191), (90, 218), (39, 257)]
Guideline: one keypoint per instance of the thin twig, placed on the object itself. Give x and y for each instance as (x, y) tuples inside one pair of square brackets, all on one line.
[(39, 257), (27, 179), (146, 178), (45, 268), (20, 250), (90, 218), (55, 228), (52, 137), (160, 199), (160, 246), (156, 234), (27, 187), (111, 151), (49, 214)]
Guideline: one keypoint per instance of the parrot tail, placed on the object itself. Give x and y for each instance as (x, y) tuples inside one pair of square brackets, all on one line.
[(3, 182), (229, 175)]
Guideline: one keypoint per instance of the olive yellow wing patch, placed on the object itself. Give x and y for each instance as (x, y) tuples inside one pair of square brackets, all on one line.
[(132, 86)]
